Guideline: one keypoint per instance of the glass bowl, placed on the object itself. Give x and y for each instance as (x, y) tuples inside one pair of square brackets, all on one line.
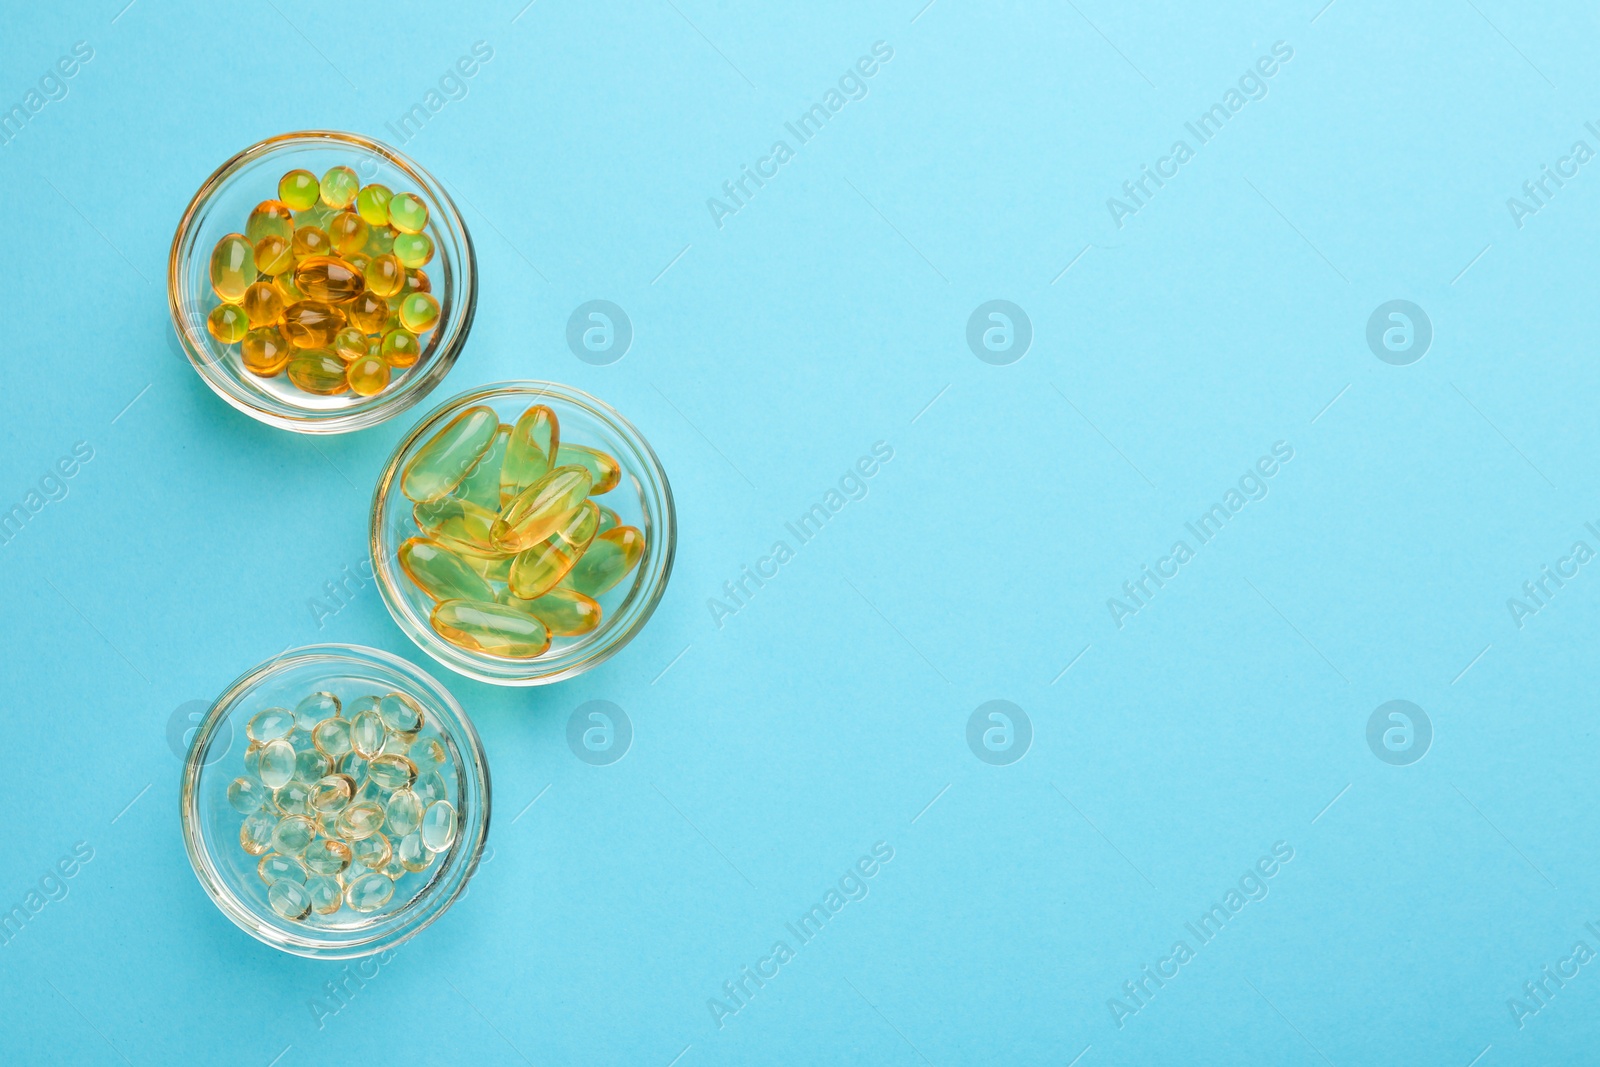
[(641, 499), (223, 205), (227, 802)]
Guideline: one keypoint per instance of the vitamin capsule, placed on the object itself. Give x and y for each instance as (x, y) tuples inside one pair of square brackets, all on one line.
[(269, 217), (246, 795), (401, 715), (481, 486), (456, 523), (401, 348), (416, 282), (372, 204), (361, 819), (293, 799), (252, 759), (329, 279), (347, 232), (392, 772), (284, 283), (228, 323), (368, 376), (350, 344), (438, 828), (298, 189), (367, 734), (265, 352), (440, 573), (604, 471), (262, 304), (372, 852), (444, 460), (276, 868), (364, 704), (608, 520), (312, 323), (332, 793), (311, 241), (327, 856), (277, 763), (407, 213), (368, 312), (537, 570), (319, 372), (292, 834), (353, 766), (541, 509), (493, 629), (531, 443), (233, 267), (430, 787), (316, 707), (255, 834), (339, 187), (368, 892), (385, 276), (274, 255), (412, 853), (289, 899), (403, 813), (419, 312), (607, 561), (310, 765), (564, 612), (333, 737), (426, 751), (380, 241), (326, 896), (492, 565), (413, 249)]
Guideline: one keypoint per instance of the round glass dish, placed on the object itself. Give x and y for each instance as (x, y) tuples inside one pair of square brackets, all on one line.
[(641, 499), (223, 205), (214, 824)]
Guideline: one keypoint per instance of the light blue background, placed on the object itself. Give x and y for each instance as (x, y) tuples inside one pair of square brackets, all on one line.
[(830, 712)]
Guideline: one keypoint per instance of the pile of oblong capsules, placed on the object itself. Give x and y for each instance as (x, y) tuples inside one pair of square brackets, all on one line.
[(326, 284), (341, 803), (511, 547)]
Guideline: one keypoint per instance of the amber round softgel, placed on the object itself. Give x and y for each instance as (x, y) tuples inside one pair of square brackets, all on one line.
[(357, 838)]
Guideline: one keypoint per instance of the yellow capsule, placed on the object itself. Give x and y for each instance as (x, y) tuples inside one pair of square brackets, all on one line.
[(392, 771), (416, 282), (604, 471), (413, 249), (255, 834), (311, 765), (265, 352), (228, 323), (368, 375), (368, 312), (273, 255), (403, 813), (319, 372), (372, 852), (233, 267), (289, 899), (438, 826), (277, 763), (262, 304), (608, 520), (333, 737), (269, 217), (329, 279), (412, 853), (419, 312), (293, 798), (440, 573), (276, 868), (361, 819), (456, 523), (292, 834), (367, 734), (609, 558), (491, 564), (368, 892), (400, 348), (350, 344), (312, 323), (327, 856), (541, 509), (385, 276), (481, 486), (531, 447), (380, 240), (311, 241), (246, 795), (493, 629), (347, 232), (284, 283), (339, 187), (407, 213), (298, 189), (372, 204), (444, 460), (564, 612), (332, 793), (326, 896), (537, 570)]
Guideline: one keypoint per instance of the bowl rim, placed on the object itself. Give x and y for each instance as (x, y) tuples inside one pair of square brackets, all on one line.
[(540, 670), (188, 325), (425, 909)]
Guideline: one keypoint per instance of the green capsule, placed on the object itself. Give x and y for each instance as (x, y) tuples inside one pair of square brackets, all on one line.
[(255, 835), (372, 852), (339, 187), (299, 189), (271, 218), (367, 734), (607, 561), (442, 462), (368, 892), (310, 764), (246, 795), (401, 714), (233, 267), (438, 828), (403, 813), (319, 372), (413, 249), (372, 204), (481, 486), (327, 856), (277, 763), (361, 819), (276, 868), (332, 793), (326, 896), (537, 570), (333, 737), (608, 520), (440, 573), (493, 629), (392, 772), (400, 348), (289, 899), (604, 471), (491, 564), (293, 799), (457, 524), (292, 834), (531, 444), (564, 612), (407, 213), (419, 312), (228, 323), (541, 509), (412, 853)]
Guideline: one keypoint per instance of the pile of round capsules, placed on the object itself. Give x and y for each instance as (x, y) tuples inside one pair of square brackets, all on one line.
[(341, 803), (511, 547), (326, 284)]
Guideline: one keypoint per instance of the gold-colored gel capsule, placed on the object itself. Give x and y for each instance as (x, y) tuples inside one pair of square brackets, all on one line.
[(441, 463), (361, 819), (403, 813), (438, 828), (400, 348), (350, 344), (412, 853), (322, 373), (413, 249), (372, 204), (537, 570), (284, 283), (274, 255), (531, 445), (255, 834), (326, 896), (541, 509), (368, 376), (233, 267), (332, 736), (312, 323), (392, 772), (604, 471), (367, 734), (289, 899), (609, 558), (440, 573), (298, 189), (368, 892), (269, 217), (372, 852), (494, 629), (481, 486), (419, 312), (276, 868), (332, 793), (339, 187), (262, 304), (384, 275), (347, 232), (277, 763), (407, 213), (311, 241), (294, 798), (314, 708), (369, 312), (457, 523), (329, 279), (265, 352), (564, 612), (327, 856), (246, 795), (228, 323), (292, 834)]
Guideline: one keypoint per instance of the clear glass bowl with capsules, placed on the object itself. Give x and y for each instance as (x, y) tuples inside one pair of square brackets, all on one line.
[(335, 801), (523, 533)]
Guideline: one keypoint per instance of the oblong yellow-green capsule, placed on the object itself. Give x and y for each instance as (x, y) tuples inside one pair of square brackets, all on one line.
[(541, 509), (531, 445), (233, 267), (438, 828), (609, 558), (339, 187), (608, 520), (564, 612), (327, 855), (408, 213), (440, 573), (289, 899), (494, 629), (270, 217), (481, 486), (537, 570), (299, 189), (444, 460), (604, 471), (372, 204), (326, 896), (368, 892), (457, 523), (492, 565), (319, 372)]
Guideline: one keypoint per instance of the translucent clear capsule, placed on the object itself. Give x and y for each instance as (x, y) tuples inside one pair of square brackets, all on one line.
[(609, 559), (444, 460), (430, 787), (392, 772), (403, 813), (531, 447), (255, 835), (327, 856), (333, 736), (354, 766), (394, 870), (246, 795), (438, 828), (493, 629), (277, 763), (292, 834), (427, 751), (457, 523), (364, 704), (368, 892), (332, 793), (367, 734), (400, 713), (412, 853), (269, 725), (361, 819), (310, 764), (276, 868), (564, 612), (372, 852), (289, 899), (293, 799), (233, 267), (541, 509), (326, 896), (604, 471), (441, 574)]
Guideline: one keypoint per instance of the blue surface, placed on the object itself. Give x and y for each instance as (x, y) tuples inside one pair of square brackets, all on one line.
[(1167, 757)]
